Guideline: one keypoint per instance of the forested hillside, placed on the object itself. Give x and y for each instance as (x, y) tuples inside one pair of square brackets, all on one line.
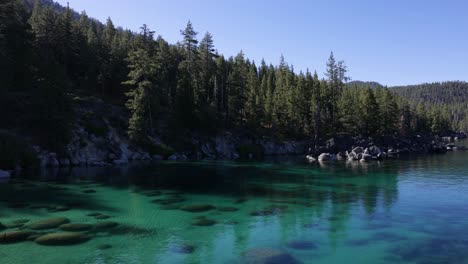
[(51, 55), (450, 97)]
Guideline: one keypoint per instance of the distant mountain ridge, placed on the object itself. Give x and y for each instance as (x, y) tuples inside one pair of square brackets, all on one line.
[(435, 93), (450, 97), (362, 83)]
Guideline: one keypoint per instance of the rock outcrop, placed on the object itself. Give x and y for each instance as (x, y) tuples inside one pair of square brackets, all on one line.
[(99, 138), (4, 174)]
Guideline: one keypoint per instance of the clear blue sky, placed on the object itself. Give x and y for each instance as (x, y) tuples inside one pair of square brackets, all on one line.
[(393, 42)]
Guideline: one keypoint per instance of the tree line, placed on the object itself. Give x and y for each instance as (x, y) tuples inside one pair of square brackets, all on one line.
[(450, 99), (49, 54)]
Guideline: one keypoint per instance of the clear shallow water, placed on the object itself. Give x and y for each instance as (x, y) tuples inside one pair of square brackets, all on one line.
[(412, 211)]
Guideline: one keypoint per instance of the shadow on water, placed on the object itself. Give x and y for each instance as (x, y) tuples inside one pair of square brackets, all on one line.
[(323, 202), (339, 184)]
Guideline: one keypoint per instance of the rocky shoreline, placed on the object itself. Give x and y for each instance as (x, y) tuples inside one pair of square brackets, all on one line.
[(114, 149), (99, 139), (385, 147)]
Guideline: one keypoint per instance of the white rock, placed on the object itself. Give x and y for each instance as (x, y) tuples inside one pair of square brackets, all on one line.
[(4, 174), (310, 158), (324, 157)]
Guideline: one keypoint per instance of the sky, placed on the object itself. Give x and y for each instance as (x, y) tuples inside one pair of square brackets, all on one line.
[(395, 42)]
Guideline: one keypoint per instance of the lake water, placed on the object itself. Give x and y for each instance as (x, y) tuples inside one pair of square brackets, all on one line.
[(287, 211)]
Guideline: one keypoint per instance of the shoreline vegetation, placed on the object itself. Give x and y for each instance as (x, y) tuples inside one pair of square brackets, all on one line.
[(77, 92)]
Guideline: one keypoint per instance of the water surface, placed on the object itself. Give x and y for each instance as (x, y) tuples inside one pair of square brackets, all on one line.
[(405, 211)]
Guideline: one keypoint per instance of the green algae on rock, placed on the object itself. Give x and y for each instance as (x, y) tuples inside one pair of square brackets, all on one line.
[(48, 223), (102, 217), (182, 248), (93, 214), (196, 208), (59, 208), (20, 221), (106, 225), (204, 222), (228, 209), (62, 239), (73, 227), (14, 236), (104, 246), (169, 200), (267, 255)]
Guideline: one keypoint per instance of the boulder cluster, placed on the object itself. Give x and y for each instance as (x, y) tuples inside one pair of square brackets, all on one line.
[(352, 149)]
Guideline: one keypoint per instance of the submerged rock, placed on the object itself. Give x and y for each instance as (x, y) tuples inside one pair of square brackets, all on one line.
[(20, 221), (240, 200), (48, 223), (182, 248), (270, 210), (93, 214), (104, 247), (106, 225), (170, 207), (35, 236), (153, 193), (102, 217), (267, 256), (170, 200), (302, 244), (13, 225), (14, 236), (2, 227), (89, 191), (204, 222), (195, 208), (59, 208), (61, 239), (228, 209), (75, 227)]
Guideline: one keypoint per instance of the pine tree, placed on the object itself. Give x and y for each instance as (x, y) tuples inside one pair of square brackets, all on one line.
[(300, 104), (108, 34), (221, 86), (370, 118), (140, 97), (316, 106), (207, 66), (236, 86), (388, 112), (405, 119), (439, 122), (269, 97), (349, 118), (336, 74), (280, 95), (252, 102), (15, 46), (190, 42), (423, 122)]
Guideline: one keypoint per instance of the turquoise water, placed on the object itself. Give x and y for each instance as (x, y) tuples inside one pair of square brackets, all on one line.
[(405, 211)]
